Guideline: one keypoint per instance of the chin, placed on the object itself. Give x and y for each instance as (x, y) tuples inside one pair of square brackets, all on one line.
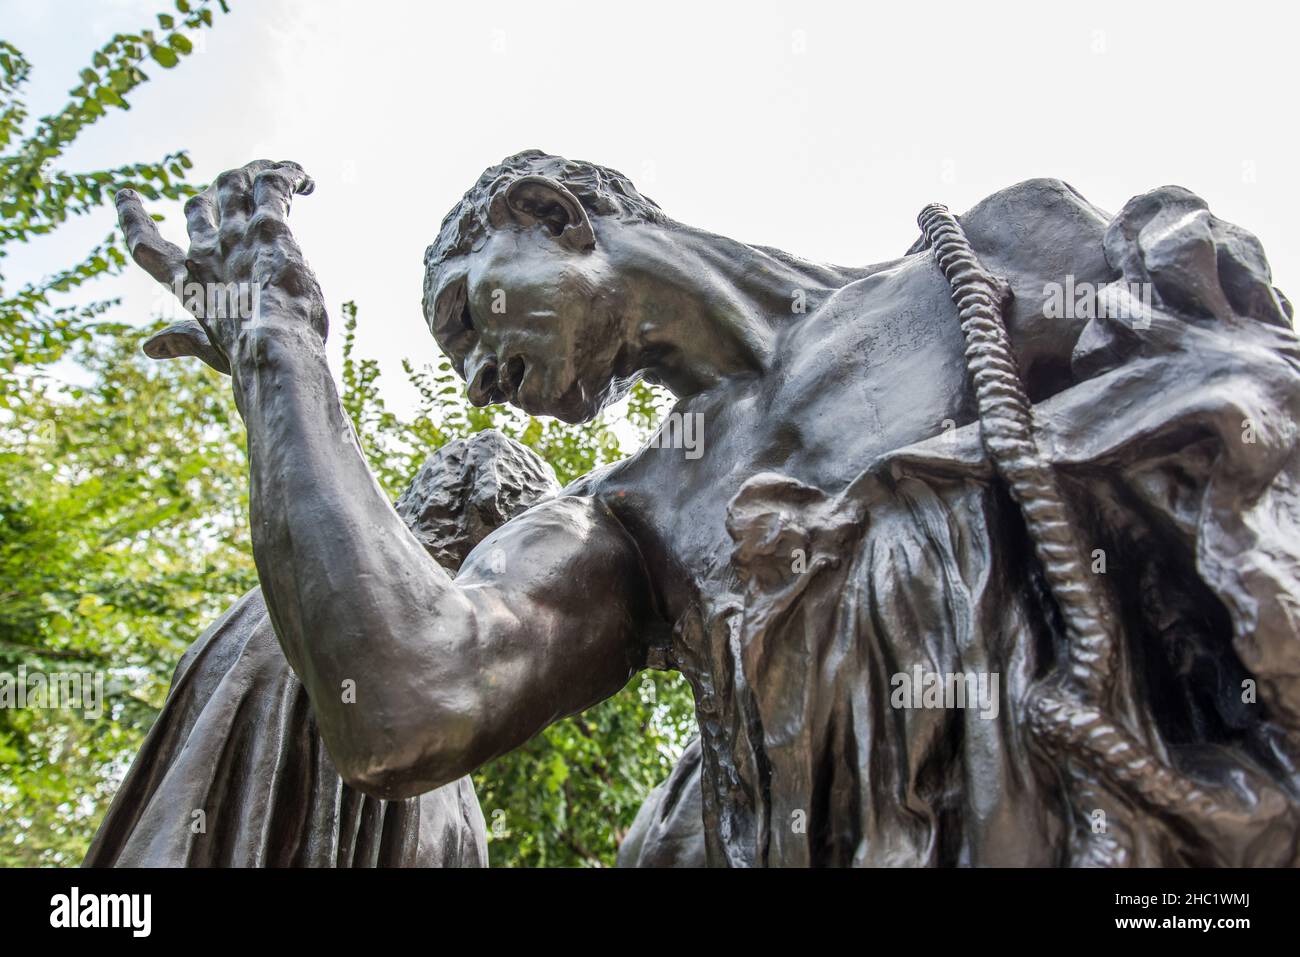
[(572, 412), (572, 405)]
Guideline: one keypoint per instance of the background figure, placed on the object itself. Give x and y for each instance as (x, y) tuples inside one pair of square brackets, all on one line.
[(669, 828)]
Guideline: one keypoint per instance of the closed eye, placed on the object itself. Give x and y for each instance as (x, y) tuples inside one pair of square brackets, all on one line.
[(453, 326)]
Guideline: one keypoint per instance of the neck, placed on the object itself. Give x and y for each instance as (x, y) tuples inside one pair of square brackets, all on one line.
[(710, 308)]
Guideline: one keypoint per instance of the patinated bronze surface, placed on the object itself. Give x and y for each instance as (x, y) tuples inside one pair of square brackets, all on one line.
[(849, 534)]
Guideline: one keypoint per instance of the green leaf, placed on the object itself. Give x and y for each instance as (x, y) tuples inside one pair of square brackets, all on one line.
[(109, 96), (165, 57)]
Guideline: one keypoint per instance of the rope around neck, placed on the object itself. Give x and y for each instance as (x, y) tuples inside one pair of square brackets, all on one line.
[(1068, 714), (1007, 432)]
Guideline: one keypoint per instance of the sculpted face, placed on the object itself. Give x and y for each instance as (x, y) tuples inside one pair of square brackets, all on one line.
[(534, 315)]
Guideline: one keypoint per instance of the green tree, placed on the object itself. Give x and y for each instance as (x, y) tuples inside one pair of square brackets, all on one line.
[(123, 533), (109, 555), (36, 197)]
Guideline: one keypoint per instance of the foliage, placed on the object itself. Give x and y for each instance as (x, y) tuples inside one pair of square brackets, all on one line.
[(567, 798), (108, 552), (123, 532), (36, 197)]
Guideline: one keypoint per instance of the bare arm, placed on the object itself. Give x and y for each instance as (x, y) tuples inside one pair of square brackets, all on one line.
[(415, 678)]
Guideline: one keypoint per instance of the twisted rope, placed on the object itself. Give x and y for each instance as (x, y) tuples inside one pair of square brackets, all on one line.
[(1070, 719), (1007, 432)]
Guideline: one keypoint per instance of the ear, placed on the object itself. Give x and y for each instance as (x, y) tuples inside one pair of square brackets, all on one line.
[(540, 200)]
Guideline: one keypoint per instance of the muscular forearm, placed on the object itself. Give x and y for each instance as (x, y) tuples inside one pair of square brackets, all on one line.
[(352, 594)]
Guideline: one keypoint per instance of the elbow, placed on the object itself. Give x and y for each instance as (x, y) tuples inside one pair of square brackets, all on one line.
[(394, 767), (386, 782)]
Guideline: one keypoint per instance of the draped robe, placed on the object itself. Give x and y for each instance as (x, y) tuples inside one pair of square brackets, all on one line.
[(1176, 448)]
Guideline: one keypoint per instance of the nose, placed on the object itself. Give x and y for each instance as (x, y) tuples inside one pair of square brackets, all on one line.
[(511, 375), (483, 385)]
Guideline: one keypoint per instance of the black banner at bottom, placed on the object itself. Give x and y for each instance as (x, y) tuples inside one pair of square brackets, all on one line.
[(363, 907)]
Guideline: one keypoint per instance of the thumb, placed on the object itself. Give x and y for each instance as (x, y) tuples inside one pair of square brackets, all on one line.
[(186, 338)]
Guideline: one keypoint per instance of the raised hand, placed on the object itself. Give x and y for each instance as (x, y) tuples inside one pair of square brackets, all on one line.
[(243, 264)]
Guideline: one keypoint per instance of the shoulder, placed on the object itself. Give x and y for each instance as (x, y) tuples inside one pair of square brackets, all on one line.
[(1037, 199), (1039, 235), (566, 542), (1041, 225)]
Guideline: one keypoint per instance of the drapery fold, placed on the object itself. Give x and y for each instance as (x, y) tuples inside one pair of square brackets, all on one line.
[(1177, 449)]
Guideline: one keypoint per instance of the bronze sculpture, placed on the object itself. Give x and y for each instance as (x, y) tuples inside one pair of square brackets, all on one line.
[(1111, 575)]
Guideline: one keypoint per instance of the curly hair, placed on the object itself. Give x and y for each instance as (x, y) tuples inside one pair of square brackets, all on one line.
[(602, 192)]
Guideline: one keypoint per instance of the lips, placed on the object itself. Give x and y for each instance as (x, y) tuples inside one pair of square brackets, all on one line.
[(574, 405), (526, 386)]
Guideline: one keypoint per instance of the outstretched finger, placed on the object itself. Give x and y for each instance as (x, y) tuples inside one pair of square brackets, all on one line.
[(201, 219), (274, 188), (163, 260)]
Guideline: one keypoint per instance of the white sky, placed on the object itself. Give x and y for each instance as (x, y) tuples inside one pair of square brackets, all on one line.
[(818, 128)]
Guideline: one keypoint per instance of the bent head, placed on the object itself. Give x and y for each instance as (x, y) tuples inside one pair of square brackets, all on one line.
[(522, 294)]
